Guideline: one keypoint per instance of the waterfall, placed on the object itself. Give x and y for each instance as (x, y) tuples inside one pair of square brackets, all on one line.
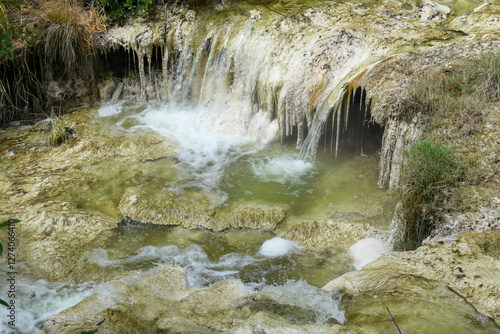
[(310, 146), (273, 77)]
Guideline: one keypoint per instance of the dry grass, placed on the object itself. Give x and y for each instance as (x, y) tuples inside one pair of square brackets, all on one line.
[(452, 99), (65, 30), (61, 45), (58, 132)]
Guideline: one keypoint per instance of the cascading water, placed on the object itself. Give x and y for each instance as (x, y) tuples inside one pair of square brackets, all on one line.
[(244, 79), (229, 167), (268, 266), (232, 86), (223, 87), (266, 75), (225, 106)]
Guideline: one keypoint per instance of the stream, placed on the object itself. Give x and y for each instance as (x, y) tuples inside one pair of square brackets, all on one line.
[(216, 105), (226, 167)]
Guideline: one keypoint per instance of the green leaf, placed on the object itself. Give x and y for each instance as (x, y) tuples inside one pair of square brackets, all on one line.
[(89, 332), (8, 222), (4, 303), (1, 249)]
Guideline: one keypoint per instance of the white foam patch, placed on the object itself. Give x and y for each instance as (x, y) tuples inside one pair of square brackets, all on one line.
[(199, 269), (367, 250), (36, 300), (203, 149), (262, 128), (111, 109), (324, 304), (284, 168), (278, 247)]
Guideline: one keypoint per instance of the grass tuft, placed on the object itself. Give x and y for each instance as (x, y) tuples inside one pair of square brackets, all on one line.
[(65, 30), (429, 175), (59, 131)]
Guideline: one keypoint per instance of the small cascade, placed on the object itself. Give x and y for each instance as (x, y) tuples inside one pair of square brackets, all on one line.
[(244, 68), (347, 121), (310, 146)]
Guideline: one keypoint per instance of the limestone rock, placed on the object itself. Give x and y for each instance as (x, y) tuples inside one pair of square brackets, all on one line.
[(53, 234), (191, 209), (483, 22), (433, 11), (467, 265), (325, 235), (106, 89), (117, 93), (248, 215)]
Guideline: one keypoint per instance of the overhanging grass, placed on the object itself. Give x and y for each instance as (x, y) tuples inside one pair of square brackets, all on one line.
[(61, 47)]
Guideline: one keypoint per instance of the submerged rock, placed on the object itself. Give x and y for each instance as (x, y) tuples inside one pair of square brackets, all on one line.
[(52, 235), (325, 235), (248, 215), (160, 298)]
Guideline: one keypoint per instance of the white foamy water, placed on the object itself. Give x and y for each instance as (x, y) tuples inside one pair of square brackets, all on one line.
[(36, 300), (278, 247), (367, 250), (281, 169), (323, 304), (266, 270), (107, 109), (205, 144), (199, 268), (210, 138)]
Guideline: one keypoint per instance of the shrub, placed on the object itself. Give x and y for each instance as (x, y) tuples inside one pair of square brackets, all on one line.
[(118, 9), (10, 34), (430, 174)]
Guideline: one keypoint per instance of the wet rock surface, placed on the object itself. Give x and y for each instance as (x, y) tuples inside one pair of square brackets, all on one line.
[(70, 198), (161, 299), (466, 264)]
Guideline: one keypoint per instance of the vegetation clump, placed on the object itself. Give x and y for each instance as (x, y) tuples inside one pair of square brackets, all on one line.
[(429, 175), (65, 31), (118, 9), (438, 174), (59, 131), (61, 47)]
